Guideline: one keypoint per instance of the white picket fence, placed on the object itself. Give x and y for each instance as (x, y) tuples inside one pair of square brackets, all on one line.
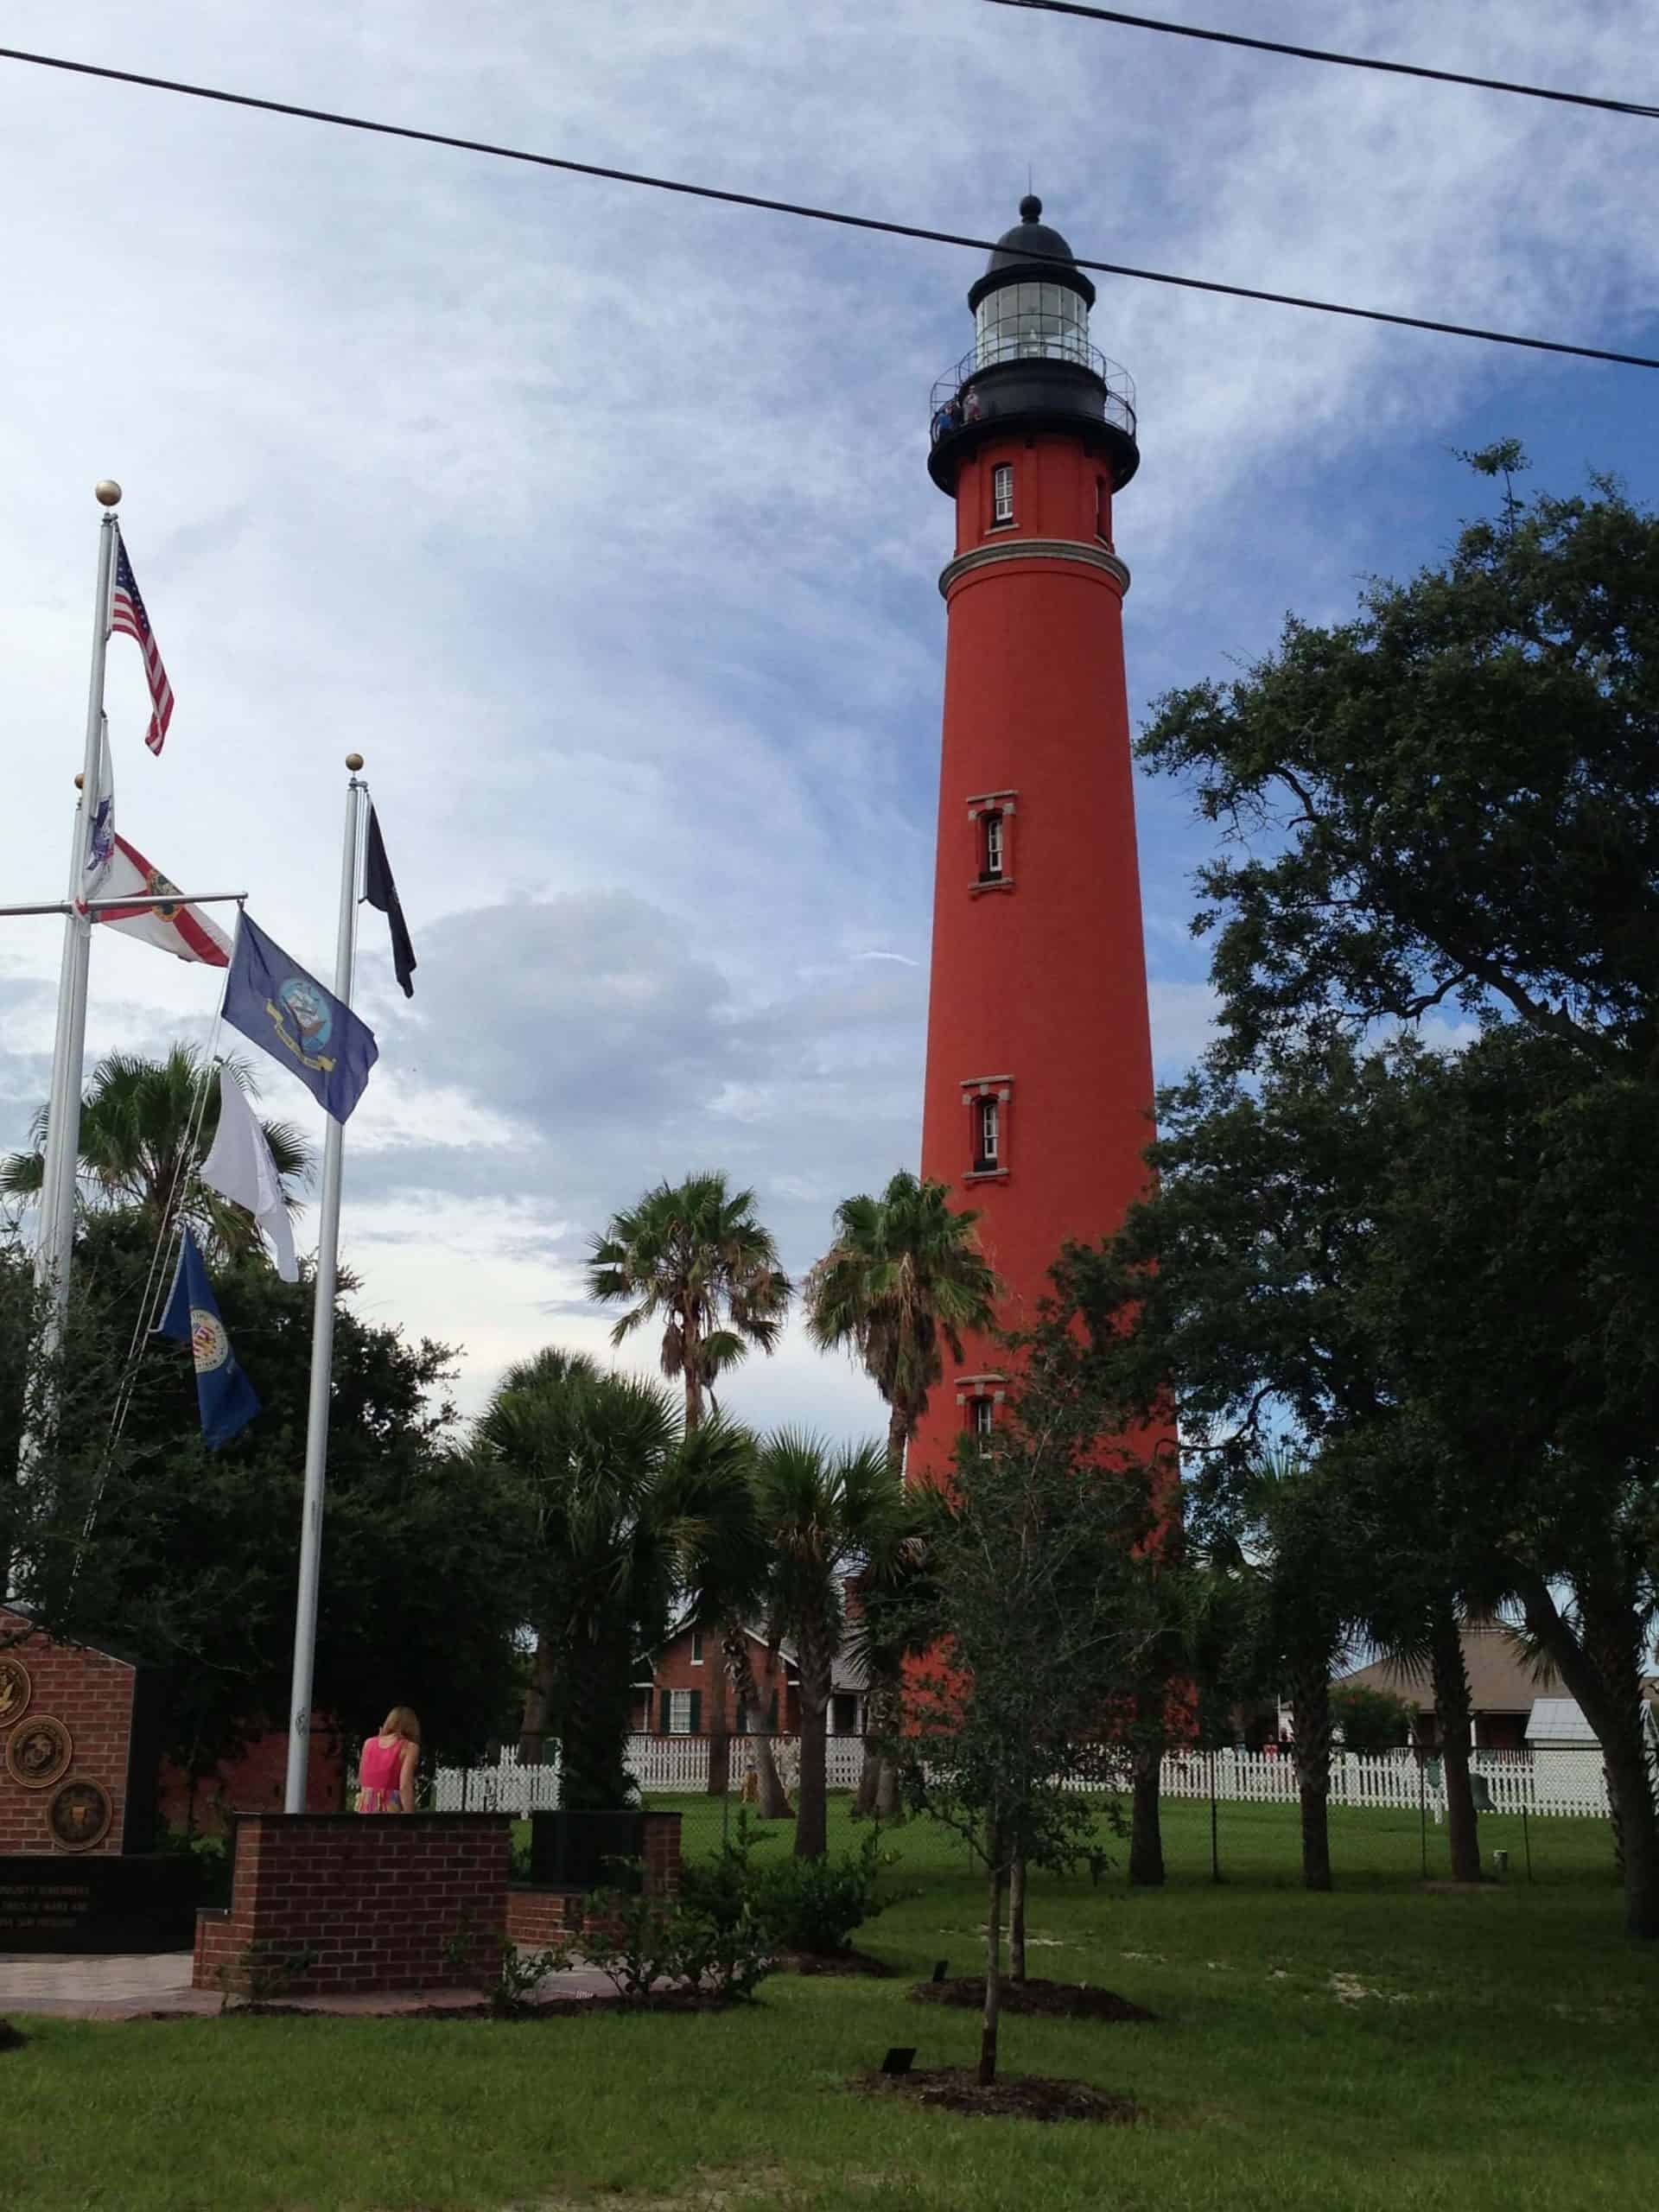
[(662, 1766), (1545, 1783), (504, 1786), (675, 1763)]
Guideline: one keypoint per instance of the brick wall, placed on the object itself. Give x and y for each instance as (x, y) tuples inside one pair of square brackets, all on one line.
[(539, 1918), (376, 1899), (92, 1695), (255, 1783)]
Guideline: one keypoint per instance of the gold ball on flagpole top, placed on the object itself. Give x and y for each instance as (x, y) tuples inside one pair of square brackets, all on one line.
[(354, 761), (80, 782), (107, 492)]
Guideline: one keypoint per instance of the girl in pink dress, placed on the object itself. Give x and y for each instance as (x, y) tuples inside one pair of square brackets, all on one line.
[(385, 1778)]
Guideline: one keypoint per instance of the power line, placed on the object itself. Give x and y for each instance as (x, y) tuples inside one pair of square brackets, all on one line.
[(764, 206), (1342, 61)]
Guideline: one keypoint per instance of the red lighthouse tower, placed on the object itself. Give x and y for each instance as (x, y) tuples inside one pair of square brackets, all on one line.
[(1038, 1090)]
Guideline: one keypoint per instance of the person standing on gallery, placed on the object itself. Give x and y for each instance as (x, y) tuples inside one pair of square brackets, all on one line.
[(385, 1777)]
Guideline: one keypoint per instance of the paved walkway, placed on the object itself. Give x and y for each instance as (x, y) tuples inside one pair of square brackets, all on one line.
[(133, 1989)]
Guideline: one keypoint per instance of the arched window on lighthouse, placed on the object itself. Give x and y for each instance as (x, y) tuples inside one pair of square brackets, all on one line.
[(1002, 492), (981, 1417), (988, 1136), (991, 846)]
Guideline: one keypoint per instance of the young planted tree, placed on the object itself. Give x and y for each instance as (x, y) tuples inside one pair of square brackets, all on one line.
[(824, 1515), (1036, 1636), (904, 1281), (694, 1257)]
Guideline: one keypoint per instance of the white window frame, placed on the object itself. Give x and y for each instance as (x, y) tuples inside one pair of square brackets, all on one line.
[(981, 1416), (992, 858), (679, 1712), (988, 1132), (1002, 492), (696, 1647)]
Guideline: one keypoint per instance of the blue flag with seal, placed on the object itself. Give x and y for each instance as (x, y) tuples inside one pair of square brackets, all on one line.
[(276, 1004), (224, 1392)]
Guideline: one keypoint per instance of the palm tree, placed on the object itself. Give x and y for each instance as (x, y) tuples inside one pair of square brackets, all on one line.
[(142, 1139), (627, 1509), (826, 1516), (904, 1279), (695, 1257)]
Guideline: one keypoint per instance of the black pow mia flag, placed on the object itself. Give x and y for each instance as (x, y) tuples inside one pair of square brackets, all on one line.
[(381, 891)]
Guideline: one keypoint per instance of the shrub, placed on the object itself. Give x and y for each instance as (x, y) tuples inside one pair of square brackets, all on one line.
[(815, 1905), (1370, 1720), (210, 1855)]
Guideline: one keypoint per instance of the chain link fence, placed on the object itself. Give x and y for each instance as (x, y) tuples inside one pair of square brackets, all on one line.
[(1224, 1816)]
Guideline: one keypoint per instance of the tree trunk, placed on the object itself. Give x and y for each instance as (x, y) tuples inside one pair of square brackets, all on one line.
[(533, 1731), (812, 1815), (993, 1966), (889, 1798), (1452, 1708), (870, 1782), (717, 1721), (1145, 1827), (898, 1437), (772, 1798), (1602, 1672), (1310, 1702), (1017, 1914)]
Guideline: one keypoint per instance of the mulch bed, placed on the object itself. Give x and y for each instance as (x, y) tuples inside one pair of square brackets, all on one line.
[(1016, 2096), (833, 1963), (562, 2008), (1053, 2000)]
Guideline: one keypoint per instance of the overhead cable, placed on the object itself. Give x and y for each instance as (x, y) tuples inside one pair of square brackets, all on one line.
[(763, 205), (1321, 53)]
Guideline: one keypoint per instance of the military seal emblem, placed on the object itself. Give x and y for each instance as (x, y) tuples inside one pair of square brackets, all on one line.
[(304, 1022), (38, 1753), (79, 1815), (15, 1689), (209, 1345)]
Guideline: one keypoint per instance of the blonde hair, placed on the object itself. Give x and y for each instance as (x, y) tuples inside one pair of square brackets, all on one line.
[(401, 1720)]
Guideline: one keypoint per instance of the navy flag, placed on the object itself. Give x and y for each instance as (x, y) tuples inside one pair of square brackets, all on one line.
[(224, 1392), (276, 1004), (381, 891)]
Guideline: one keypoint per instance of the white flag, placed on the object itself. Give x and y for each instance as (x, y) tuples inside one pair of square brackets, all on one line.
[(240, 1167), (99, 847)]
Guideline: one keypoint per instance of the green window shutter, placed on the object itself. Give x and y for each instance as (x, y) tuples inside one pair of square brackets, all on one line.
[(697, 1713), (665, 1723)]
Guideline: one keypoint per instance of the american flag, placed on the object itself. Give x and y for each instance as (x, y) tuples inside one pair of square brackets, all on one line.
[(128, 616)]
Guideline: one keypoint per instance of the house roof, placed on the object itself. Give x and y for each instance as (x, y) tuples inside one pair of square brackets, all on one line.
[(1501, 1678), (1558, 1721)]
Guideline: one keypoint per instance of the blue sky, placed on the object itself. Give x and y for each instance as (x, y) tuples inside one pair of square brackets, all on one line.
[(598, 521)]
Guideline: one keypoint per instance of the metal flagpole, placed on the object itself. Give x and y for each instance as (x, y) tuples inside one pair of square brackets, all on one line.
[(322, 1342), (56, 1246)]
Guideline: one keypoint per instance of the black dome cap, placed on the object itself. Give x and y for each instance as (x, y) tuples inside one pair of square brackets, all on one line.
[(1030, 252)]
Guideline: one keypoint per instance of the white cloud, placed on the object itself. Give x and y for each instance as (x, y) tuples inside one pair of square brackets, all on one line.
[(597, 521)]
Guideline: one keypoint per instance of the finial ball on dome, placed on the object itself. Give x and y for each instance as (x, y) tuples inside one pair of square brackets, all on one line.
[(1031, 208)]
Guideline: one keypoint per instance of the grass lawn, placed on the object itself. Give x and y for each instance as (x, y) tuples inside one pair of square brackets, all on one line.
[(1380, 2047)]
